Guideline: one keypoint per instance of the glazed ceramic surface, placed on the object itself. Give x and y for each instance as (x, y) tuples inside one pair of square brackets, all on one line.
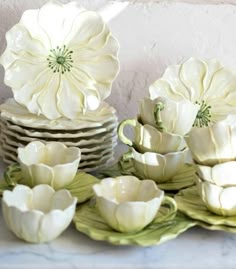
[(190, 203), (223, 174), (60, 60), (12, 111), (158, 167), (219, 200), (176, 117), (149, 139), (206, 83), (214, 144), (39, 214), (80, 187), (126, 203), (165, 226), (51, 163)]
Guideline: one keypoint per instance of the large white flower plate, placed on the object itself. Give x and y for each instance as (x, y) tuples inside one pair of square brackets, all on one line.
[(207, 83), (12, 111), (60, 60)]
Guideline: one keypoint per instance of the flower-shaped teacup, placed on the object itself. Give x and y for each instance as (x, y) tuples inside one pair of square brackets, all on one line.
[(214, 144), (38, 215), (155, 166), (128, 204), (219, 200), (176, 117), (223, 174), (149, 139), (51, 163)]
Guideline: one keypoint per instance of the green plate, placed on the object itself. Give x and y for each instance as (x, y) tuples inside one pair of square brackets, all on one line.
[(88, 221), (80, 187), (190, 203), (223, 228), (184, 178)]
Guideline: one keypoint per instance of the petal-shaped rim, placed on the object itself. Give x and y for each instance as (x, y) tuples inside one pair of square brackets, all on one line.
[(53, 26)]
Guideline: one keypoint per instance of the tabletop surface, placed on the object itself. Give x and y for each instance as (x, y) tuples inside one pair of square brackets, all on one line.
[(196, 248)]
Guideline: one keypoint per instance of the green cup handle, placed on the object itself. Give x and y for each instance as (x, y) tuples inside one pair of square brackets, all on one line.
[(171, 204), (123, 138)]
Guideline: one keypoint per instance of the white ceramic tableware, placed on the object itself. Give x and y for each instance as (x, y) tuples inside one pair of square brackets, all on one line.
[(219, 200), (37, 215), (214, 144), (149, 139), (223, 174), (157, 166), (60, 60), (51, 163), (205, 82), (128, 204), (176, 117)]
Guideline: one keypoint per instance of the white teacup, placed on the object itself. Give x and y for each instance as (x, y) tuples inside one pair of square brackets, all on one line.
[(149, 139), (128, 204), (155, 166)]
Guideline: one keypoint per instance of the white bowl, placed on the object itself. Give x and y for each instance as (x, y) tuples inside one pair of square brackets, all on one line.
[(149, 139), (50, 163), (219, 200), (214, 144), (223, 174), (158, 167), (37, 215), (176, 117), (126, 203)]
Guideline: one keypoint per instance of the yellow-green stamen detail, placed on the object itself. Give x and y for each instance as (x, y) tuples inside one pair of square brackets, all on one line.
[(60, 59)]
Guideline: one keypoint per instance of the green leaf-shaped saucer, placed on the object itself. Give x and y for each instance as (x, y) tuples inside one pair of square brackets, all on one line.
[(191, 204), (80, 187), (184, 178), (88, 221)]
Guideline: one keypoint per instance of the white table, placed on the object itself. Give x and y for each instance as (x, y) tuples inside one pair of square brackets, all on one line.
[(197, 248)]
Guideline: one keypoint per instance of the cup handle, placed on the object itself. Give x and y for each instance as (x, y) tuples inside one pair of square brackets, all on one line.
[(123, 138), (157, 116), (127, 156), (170, 202)]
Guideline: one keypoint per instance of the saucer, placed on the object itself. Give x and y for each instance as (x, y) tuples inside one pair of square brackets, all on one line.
[(88, 221), (190, 203), (80, 187), (183, 179)]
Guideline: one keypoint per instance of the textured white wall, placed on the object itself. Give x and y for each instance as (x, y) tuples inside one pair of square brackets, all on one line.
[(152, 36)]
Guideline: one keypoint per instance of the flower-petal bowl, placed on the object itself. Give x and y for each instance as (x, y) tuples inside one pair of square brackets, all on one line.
[(49, 163), (37, 215)]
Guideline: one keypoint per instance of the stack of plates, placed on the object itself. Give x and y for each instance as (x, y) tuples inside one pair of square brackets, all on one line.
[(94, 133)]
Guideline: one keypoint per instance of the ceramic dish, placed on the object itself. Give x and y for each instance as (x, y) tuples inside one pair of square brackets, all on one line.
[(80, 187), (200, 82), (33, 132), (49, 72), (90, 133), (39, 214), (12, 144), (183, 179), (19, 115), (190, 203), (166, 226), (157, 167)]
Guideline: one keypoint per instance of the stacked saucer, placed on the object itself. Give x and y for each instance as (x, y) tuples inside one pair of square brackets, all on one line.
[(94, 133)]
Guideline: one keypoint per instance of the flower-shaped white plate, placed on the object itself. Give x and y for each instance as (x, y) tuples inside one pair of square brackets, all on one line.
[(207, 83), (12, 111), (60, 60), (190, 203), (80, 187), (88, 221)]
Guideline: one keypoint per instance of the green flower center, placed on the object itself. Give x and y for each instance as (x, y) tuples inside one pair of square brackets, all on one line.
[(203, 116), (60, 59)]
